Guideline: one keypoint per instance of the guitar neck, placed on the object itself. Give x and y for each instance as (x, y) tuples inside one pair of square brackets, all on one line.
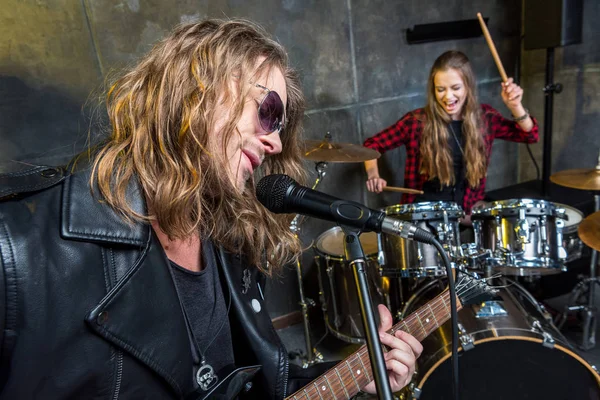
[(354, 372)]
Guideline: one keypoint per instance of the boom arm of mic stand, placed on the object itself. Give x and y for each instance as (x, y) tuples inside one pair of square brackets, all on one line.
[(355, 255)]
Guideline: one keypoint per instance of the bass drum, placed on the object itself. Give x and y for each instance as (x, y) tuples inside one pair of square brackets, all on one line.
[(507, 351)]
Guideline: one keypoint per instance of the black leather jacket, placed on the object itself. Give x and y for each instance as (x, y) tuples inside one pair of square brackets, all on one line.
[(88, 304)]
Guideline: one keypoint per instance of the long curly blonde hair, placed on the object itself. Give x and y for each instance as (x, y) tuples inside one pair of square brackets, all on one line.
[(436, 160), (161, 112)]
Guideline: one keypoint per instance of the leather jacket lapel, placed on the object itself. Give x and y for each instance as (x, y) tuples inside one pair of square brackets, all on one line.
[(141, 312), (256, 342), (143, 316)]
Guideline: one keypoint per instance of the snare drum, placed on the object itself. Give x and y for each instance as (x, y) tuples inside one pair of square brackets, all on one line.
[(409, 258), (524, 235), (571, 242), (507, 350), (338, 292)]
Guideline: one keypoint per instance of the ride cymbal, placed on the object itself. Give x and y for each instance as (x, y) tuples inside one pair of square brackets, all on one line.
[(582, 178), (322, 150), (589, 230)]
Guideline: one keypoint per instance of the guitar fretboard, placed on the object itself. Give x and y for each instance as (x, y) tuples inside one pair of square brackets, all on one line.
[(354, 372)]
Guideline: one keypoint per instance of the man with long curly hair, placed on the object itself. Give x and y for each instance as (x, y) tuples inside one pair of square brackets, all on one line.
[(137, 271), (449, 141)]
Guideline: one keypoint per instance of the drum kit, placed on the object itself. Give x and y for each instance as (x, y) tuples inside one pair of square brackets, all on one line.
[(511, 238)]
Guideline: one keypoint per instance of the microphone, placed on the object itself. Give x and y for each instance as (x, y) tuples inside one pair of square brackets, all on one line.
[(281, 194)]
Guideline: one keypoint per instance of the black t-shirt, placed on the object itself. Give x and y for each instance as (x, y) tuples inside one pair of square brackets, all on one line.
[(433, 190), (206, 308)]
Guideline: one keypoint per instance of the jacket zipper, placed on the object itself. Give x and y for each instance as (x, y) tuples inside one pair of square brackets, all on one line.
[(119, 374), (285, 376)]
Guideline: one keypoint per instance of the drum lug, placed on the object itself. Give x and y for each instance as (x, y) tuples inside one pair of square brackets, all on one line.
[(545, 248), (562, 253), (380, 252), (477, 234), (466, 341), (548, 340), (499, 233), (522, 229), (417, 393)]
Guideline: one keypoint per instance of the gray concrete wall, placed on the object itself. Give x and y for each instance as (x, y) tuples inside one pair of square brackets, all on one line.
[(358, 72)]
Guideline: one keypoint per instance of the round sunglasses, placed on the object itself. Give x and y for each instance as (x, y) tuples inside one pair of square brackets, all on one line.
[(271, 111)]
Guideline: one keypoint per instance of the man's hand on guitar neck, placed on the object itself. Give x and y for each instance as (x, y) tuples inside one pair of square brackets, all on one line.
[(402, 355)]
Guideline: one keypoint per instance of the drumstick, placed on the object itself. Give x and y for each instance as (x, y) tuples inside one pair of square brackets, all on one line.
[(402, 190), (490, 43)]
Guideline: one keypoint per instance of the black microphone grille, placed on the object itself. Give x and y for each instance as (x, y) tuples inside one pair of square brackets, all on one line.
[(271, 191)]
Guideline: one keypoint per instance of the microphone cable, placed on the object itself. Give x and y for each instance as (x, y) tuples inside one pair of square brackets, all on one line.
[(453, 316)]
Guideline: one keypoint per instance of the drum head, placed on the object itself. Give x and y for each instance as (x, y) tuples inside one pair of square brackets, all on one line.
[(574, 216), (504, 368), (331, 242)]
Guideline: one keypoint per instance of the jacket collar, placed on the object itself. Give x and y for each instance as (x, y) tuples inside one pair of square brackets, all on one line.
[(141, 313), (88, 218)]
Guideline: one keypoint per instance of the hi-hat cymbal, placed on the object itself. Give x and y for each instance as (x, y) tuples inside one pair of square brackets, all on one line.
[(322, 150), (589, 230), (583, 178)]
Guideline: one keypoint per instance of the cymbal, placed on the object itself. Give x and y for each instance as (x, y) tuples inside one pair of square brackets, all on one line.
[(322, 150), (583, 178), (589, 230)]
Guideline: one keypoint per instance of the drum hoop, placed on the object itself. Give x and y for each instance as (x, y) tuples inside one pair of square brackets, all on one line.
[(333, 258), (425, 210), (492, 339), (509, 207)]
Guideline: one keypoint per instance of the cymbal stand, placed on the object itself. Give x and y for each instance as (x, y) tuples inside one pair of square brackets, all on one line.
[(312, 354), (589, 310)]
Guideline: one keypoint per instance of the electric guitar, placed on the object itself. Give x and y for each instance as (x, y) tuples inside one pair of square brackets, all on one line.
[(354, 372)]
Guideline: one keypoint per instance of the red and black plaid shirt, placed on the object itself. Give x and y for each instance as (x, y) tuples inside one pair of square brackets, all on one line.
[(408, 130)]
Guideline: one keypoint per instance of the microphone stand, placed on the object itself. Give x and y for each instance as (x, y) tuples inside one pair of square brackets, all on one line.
[(354, 254)]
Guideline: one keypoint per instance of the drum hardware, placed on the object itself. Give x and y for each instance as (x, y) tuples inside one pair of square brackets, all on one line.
[(522, 230), (524, 235), (491, 308), (584, 179), (312, 354), (380, 253), (548, 340), (466, 341), (572, 244), (473, 257), (409, 259)]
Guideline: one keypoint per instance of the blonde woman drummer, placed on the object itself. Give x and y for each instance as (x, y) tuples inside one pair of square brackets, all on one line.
[(449, 141)]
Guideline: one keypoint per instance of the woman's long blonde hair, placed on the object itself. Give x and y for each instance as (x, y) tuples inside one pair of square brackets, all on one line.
[(436, 160), (161, 114)]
